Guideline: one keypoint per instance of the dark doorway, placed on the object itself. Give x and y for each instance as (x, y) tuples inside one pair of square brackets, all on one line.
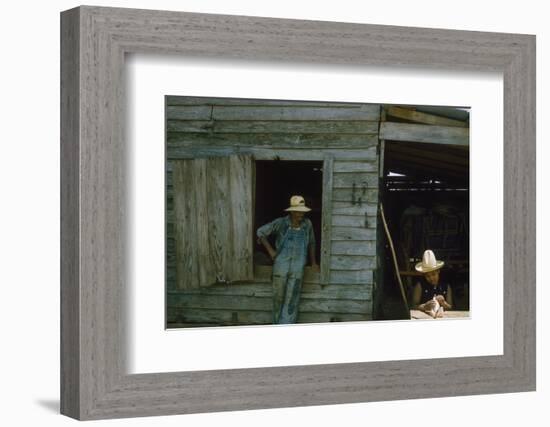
[(425, 194), (276, 182)]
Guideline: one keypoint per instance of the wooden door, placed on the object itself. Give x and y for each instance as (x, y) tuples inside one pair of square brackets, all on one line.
[(213, 220)]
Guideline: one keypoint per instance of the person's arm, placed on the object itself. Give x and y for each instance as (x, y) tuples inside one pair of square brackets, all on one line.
[(312, 258), (417, 294), (312, 246), (447, 304), (272, 253), (263, 232)]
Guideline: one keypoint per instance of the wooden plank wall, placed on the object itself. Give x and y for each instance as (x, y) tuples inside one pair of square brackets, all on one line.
[(203, 127), (213, 219)]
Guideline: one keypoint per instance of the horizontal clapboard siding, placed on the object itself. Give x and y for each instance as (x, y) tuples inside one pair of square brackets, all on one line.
[(251, 303), (273, 127), (351, 166), (239, 102), (178, 316), (288, 152), (263, 289), (359, 180), (264, 303), (183, 141), (245, 110), (285, 130), (425, 133)]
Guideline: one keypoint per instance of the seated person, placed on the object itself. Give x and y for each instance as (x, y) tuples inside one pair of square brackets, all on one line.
[(429, 295)]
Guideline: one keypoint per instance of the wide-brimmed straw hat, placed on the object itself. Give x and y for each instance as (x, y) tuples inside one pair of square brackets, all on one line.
[(298, 204), (429, 263)]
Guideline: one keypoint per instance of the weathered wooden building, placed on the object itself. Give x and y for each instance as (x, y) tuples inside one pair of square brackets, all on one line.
[(232, 165)]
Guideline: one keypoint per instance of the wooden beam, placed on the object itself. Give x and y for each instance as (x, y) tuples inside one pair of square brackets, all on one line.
[(369, 112), (438, 155), (419, 117), (190, 140), (424, 133), (261, 153), (273, 126), (173, 100), (430, 163), (326, 230)]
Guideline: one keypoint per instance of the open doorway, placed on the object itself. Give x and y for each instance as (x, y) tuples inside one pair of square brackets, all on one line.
[(276, 181), (425, 193)]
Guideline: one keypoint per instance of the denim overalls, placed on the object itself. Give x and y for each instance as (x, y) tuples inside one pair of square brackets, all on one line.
[(288, 272)]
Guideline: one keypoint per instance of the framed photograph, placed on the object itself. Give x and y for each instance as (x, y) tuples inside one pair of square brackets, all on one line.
[(272, 211), (291, 201)]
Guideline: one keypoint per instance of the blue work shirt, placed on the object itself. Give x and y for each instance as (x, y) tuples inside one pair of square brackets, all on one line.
[(280, 226)]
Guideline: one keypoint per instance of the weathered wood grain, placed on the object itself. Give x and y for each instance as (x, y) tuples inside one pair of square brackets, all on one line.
[(365, 221), (105, 387), (421, 117), (348, 208), (242, 217), (175, 100), (194, 112), (264, 289), (344, 201), (219, 217), (212, 218), (360, 180), (448, 155), (190, 316), (352, 262), (356, 197), (256, 303), (181, 141), (272, 126), (381, 159), (206, 275), (185, 225), (351, 166), (72, 390), (353, 233), (424, 133), (326, 221), (361, 247), (261, 153), (365, 112), (360, 277)]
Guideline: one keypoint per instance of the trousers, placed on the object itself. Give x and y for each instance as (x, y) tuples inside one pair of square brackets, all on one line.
[(288, 273)]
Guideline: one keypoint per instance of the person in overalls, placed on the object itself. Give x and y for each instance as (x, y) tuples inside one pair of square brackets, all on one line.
[(294, 240), (430, 289)]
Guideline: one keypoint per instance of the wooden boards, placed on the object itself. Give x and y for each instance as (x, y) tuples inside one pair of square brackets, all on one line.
[(424, 133), (212, 220), (421, 117), (343, 135), (326, 226)]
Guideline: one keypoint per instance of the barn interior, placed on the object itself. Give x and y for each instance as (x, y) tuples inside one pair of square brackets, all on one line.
[(424, 192)]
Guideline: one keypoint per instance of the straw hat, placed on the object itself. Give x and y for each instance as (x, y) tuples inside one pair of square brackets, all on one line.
[(297, 203), (429, 263)]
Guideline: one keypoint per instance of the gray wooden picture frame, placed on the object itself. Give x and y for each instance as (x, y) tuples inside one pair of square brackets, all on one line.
[(94, 382)]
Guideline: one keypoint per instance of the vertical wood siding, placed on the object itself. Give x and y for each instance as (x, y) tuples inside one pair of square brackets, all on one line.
[(212, 220)]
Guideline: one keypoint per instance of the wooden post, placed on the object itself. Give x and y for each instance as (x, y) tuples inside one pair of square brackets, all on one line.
[(326, 225), (394, 258)]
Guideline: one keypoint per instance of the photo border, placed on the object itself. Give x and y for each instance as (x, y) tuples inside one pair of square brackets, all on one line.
[(94, 179)]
